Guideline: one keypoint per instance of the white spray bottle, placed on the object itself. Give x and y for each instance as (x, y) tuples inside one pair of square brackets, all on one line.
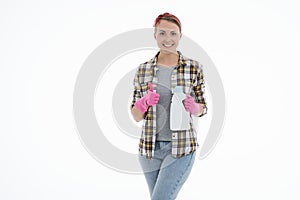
[(179, 117)]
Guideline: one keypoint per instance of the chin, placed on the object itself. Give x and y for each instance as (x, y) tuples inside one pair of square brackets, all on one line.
[(168, 51)]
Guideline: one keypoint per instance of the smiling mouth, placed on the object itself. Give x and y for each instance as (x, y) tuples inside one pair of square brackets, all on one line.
[(168, 45)]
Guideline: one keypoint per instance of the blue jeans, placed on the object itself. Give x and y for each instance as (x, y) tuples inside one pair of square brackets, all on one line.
[(165, 175)]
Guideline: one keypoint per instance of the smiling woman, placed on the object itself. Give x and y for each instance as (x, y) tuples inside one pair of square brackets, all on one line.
[(166, 155), (167, 35)]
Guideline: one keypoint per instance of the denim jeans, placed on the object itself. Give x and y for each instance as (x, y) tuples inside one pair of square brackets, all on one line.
[(165, 175)]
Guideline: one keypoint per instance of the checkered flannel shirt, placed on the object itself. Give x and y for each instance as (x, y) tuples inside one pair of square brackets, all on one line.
[(187, 74)]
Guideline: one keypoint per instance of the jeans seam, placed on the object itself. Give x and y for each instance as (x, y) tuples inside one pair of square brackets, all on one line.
[(180, 178)]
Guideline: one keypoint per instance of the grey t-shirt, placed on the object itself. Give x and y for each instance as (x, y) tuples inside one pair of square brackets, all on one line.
[(163, 130)]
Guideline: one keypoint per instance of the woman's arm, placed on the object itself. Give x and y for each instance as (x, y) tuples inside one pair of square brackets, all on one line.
[(137, 114), (199, 92), (201, 111)]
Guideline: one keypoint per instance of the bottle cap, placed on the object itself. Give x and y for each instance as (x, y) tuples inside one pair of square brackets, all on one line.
[(178, 89)]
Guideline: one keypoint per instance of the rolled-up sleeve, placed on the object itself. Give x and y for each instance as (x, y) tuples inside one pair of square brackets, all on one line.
[(136, 94), (199, 88)]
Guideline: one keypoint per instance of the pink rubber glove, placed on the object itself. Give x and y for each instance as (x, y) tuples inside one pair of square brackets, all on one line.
[(150, 99), (190, 105)]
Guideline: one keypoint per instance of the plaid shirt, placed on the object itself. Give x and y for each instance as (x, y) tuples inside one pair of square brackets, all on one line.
[(187, 74)]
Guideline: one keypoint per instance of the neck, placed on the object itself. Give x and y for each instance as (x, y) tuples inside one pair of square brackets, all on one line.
[(167, 58)]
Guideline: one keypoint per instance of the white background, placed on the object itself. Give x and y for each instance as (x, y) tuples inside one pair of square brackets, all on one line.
[(254, 44)]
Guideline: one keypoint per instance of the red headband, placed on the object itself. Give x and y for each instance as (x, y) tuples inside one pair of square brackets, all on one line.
[(166, 14)]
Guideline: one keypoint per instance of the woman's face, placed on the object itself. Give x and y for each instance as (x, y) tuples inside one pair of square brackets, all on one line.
[(167, 35)]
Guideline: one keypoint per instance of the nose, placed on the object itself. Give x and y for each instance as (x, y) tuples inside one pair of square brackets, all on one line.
[(168, 38)]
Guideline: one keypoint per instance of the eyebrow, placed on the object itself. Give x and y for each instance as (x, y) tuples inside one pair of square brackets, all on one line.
[(168, 30)]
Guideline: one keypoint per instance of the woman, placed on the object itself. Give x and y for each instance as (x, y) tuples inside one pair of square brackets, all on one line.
[(167, 156)]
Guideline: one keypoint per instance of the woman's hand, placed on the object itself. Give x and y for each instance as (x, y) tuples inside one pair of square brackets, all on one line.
[(148, 100), (191, 106)]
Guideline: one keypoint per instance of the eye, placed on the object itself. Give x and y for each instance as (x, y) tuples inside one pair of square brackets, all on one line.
[(161, 33), (173, 33)]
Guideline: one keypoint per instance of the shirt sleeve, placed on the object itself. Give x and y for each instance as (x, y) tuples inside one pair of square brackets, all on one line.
[(199, 89), (136, 88)]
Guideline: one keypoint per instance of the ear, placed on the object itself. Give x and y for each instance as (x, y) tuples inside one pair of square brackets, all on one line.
[(154, 35), (180, 35)]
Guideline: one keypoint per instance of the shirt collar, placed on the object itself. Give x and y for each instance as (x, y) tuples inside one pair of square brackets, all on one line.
[(181, 59)]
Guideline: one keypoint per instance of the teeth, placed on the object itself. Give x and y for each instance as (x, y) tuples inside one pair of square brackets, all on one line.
[(168, 45)]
